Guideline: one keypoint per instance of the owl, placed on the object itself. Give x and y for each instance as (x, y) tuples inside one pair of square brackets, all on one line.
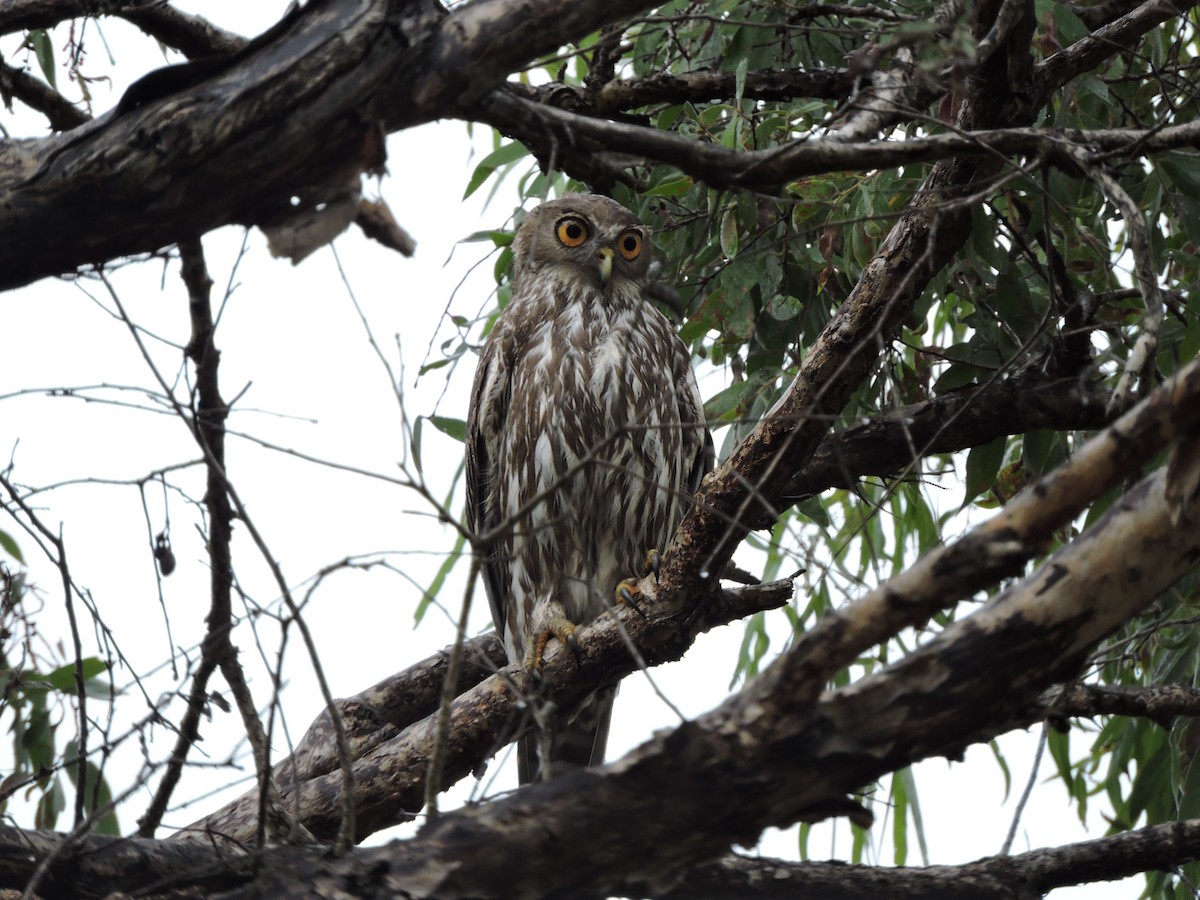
[(585, 442)]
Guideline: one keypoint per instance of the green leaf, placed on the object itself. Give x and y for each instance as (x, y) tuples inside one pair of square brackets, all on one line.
[(498, 238), (504, 155), (96, 792), (814, 509), (1059, 745), (983, 464), (1004, 770), (899, 790), (39, 40), (1042, 450), (456, 428), (739, 78), (503, 263), (729, 232), (9, 546), (416, 443), (1069, 26), (62, 679), (723, 404), (755, 643), (436, 364), (1183, 171), (435, 586), (782, 307), (672, 187), (52, 802)]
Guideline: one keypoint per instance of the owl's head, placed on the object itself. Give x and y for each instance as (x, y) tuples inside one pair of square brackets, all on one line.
[(584, 237)]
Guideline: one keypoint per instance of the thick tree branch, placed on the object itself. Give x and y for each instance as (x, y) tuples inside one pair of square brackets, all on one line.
[(391, 754), (193, 36), (157, 869), (767, 171), (36, 94), (1003, 545), (750, 488), (889, 444), (284, 117), (1017, 877), (26, 15), (697, 87), (1106, 41), (1162, 704)]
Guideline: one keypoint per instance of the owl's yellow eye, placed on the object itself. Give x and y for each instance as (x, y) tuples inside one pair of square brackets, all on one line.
[(572, 231), (630, 245)]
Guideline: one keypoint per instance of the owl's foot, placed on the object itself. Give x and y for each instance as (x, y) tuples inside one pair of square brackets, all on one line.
[(628, 593), (559, 627)]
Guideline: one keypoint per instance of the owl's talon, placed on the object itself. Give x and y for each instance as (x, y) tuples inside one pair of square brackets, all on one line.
[(560, 628), (653, 564), (573, 645), (628, 593)]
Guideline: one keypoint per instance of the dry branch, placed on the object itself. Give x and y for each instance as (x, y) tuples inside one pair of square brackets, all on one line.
[(891, 443), (1016, 877), (157, 869), (393, 729), (234, 139)]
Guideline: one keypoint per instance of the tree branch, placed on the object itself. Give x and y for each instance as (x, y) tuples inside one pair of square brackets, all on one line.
[(1162, 704), (392, 726), (768, 171), (161, 869), (323, 82), (36, 94), (1106, 41), (888, 444), (26, 15), (294, 111), (1024, 875), (750, 488)]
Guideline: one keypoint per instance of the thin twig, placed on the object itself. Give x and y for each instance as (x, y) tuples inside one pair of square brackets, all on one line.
[(433, 780), (1028, 792)]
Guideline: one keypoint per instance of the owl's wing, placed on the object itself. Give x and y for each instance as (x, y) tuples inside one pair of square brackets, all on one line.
[(486, 422), (697, 442)]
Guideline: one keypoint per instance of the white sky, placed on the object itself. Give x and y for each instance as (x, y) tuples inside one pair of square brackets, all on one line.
[(292, 340)]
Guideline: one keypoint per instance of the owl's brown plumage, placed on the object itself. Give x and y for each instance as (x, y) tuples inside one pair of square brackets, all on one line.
[(585, 438)]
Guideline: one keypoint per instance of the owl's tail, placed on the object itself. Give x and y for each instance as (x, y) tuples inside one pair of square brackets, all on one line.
[(576, 741)]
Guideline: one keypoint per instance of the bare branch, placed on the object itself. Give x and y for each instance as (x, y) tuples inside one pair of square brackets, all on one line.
[(1108, 40), (26, 15), (192, 35), (322, 86), (888, 444), (1161, 704), (391, 766), (36, 94), (163, 869), (768, 171), (1025, 875)]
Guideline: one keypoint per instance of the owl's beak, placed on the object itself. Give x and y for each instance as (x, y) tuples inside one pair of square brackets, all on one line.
[(604, 264)]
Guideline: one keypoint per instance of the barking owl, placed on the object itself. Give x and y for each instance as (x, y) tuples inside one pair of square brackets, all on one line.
[(585, 442)]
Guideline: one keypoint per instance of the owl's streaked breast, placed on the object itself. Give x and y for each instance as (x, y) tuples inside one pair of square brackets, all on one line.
[(598, 433)]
